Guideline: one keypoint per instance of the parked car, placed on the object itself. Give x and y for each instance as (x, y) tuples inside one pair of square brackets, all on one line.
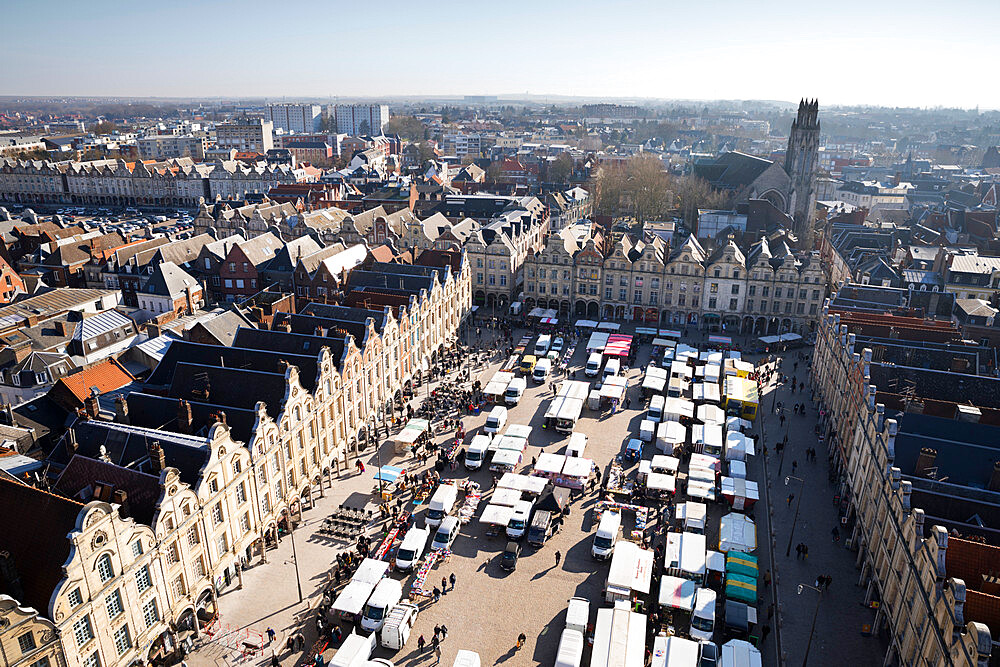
[(508, 559)]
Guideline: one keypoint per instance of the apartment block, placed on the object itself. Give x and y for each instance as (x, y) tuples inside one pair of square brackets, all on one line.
[(245, 135), (297, 118), (361, 119)]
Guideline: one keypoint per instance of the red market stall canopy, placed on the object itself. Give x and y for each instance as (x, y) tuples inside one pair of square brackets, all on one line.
[(618, 345)]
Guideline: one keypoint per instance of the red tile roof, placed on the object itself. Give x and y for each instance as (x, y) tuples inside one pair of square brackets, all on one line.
[(71, 391)]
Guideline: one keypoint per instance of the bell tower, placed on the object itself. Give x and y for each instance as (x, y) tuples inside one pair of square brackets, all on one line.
[(801, 162)]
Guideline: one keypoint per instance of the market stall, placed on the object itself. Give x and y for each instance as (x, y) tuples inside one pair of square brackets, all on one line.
[(659, 485), (664, 464), (647, 427), (655, 380), (386, 481), (741, 493), (711, 414), (496, 515), (738, 446), (670, 435), (549, 464), (716, 564), (678, 409), (575, 472), (706, 392), (741, 589), (618, 345), (677, 593), (737, 533), (522, 483), (506, 497), (420, 578), (506, 460), (473, 495), (707, 438), (745, 564)]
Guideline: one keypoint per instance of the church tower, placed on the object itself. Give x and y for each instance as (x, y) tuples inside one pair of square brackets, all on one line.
[(801, 162)]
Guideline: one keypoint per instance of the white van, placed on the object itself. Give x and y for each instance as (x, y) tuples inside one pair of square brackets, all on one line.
[(570, 649), (655, 412), (355, 650), (578, 614), (476, 452), (412, 548), (542, 345), (446, 533), (607, 535), (703, 616), (514, 391), (577, 444), (518, 523), (593, 364), (398, 625), (541, 371), (441, 503), (496, 420), (612, 367), (386, 596)]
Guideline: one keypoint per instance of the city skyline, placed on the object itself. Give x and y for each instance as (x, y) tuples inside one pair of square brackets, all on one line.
[(654, 51)]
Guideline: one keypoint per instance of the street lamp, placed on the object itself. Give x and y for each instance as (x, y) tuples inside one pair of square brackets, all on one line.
[(819, 596), (378, 456), (295, 557), (791, 532)]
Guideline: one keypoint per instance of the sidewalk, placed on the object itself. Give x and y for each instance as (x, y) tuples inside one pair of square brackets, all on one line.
[(837, 639)]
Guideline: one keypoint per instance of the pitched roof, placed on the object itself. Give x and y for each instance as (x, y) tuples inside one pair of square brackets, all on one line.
[(34, 535), (169, 280), (142, 490), (261, 249), (101, 323), (71, 391)]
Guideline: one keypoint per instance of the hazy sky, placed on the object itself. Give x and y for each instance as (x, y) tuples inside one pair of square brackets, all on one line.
[(917, 53)]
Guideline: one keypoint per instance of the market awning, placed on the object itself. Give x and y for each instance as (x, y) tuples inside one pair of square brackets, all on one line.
[(677, 593), (577, 467), (667, 463), (609, 326), (743, 589), (657, 481), (522, 483), (496, 515), (507, 457), (389, 474), (418, 424), (586, 324), (549, 463), (720, 340), (645, 331), (505, 497), (549, 320), (737, 533)]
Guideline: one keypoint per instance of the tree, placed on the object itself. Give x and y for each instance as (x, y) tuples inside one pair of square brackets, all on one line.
[(328, 124), (407, 127), (694, 193), (560, 169), (364, 128), (104, 127), (640, 188)]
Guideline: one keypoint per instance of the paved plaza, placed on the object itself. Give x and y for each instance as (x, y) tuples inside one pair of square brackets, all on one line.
[(489, 607)]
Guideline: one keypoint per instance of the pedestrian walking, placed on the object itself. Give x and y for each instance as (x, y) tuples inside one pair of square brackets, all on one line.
[(444, 632), (274, 660), (421, 642), (805, 551), (437, 655), (795, 464), (435, 642), (444, 585), (270, 635), (836, 534), (558, 558), (452, 579), (764, 632), (791, 496), (827, 580), (767, 578), (521, 639), (437, 594), (437, 631), (798, 551)]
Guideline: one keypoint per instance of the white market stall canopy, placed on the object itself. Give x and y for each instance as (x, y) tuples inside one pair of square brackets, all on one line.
[(737, 533), (662, 463), (597, 341), (738, 446), (586, 324), (505, 497), (577, 467), (518, 431), (658, 481), (675, 408), (549, 463), (496, 515), (712, 414), (507, 457), (527, 483), (510, 442), (677, 593), (609, 326)]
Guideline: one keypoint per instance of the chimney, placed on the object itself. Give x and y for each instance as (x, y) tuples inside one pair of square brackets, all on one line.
[(222, 418), (121, 410), (157, 460), (184, 419), (71, 444), (925, 461), (120, 497), (7, 414), (994, 484), (90, 404)]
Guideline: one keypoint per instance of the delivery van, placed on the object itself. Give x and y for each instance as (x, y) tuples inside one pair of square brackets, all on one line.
[(385, 596), (593, 365), (496, 420), (441, 504), (355, 650), (528, 363), (518, 523), (655, 412), (446, 533), (541, 371), (570, 651), (476, 453), (396, 629), (703, 616), (541, 528), (612, 367), (577, 445), (578, 614), (515, 390), (412, 548), (542, 345), (607, 535)]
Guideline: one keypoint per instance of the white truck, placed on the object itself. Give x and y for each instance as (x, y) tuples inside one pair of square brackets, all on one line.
[(619, 638), (355, 594), (354, 652), (398, 625)]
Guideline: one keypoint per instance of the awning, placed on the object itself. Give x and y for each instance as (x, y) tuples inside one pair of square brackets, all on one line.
[(677, 593), (496, 515), (657, 481), (522, 483), (549, 320), (418, 424), (663, 342), (609, 326), (737, 533), (668, 463), (743, 589), (506, 457), (577, 467), (549, 463), (720, 340), (389, 474), (670, 333), (645, 331), (505, 497), (586, 324)]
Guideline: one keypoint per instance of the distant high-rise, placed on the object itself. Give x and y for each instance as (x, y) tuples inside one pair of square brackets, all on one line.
[(245, 135), (297, 118), (357, 119), (801, 160)]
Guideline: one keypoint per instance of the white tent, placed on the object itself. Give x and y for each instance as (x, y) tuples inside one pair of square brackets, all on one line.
[(738, 446), (669, 435), (667, 464), (675, 408), (505, 497), (522, 483), (657, 481), (496, 515), (549, 463), (711, 414), (577, 467), (508, 458), (737, 533), (677, 593)]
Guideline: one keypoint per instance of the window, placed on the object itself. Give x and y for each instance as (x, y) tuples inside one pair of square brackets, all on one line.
[(150, 613), (623, 281), (654, 298), (192, 536), (241, 493), (44, 662), (800, 308), (136, 549), (75, 598), (714, 288), (638, 281), (217, 513), (104, 568), (788, 306), (82, 631), (816, 293), (607, 292), (681, 300), (198, 567), (777, 292), (245, 523), (479, 278), (763, 306), (492, 279), (142, 581), (711, 303), (26, 642), (593, 290), (732, 304), (764, 291), (239, 284), (736, 274), (736, 288), (227, 282), (94, 660), (622, 294), (609, 280), (751, 290), (637, 296), (114, 604), (541, 273), (172, 554), (749, 304), (232, 267), (222, 543), (123, 641)]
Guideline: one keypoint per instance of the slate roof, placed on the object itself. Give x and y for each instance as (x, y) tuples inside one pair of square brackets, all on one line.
[(397, 281), (296, 249), (222, 325), (160, 412), (733, 170), (289, 343), (966, 451), (100, 324), (346, 313), (169, 280), (142, 490), (35, 537), (261, 249)]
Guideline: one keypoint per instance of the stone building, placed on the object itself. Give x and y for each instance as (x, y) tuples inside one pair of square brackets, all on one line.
[(801, 165), (901, 562)]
